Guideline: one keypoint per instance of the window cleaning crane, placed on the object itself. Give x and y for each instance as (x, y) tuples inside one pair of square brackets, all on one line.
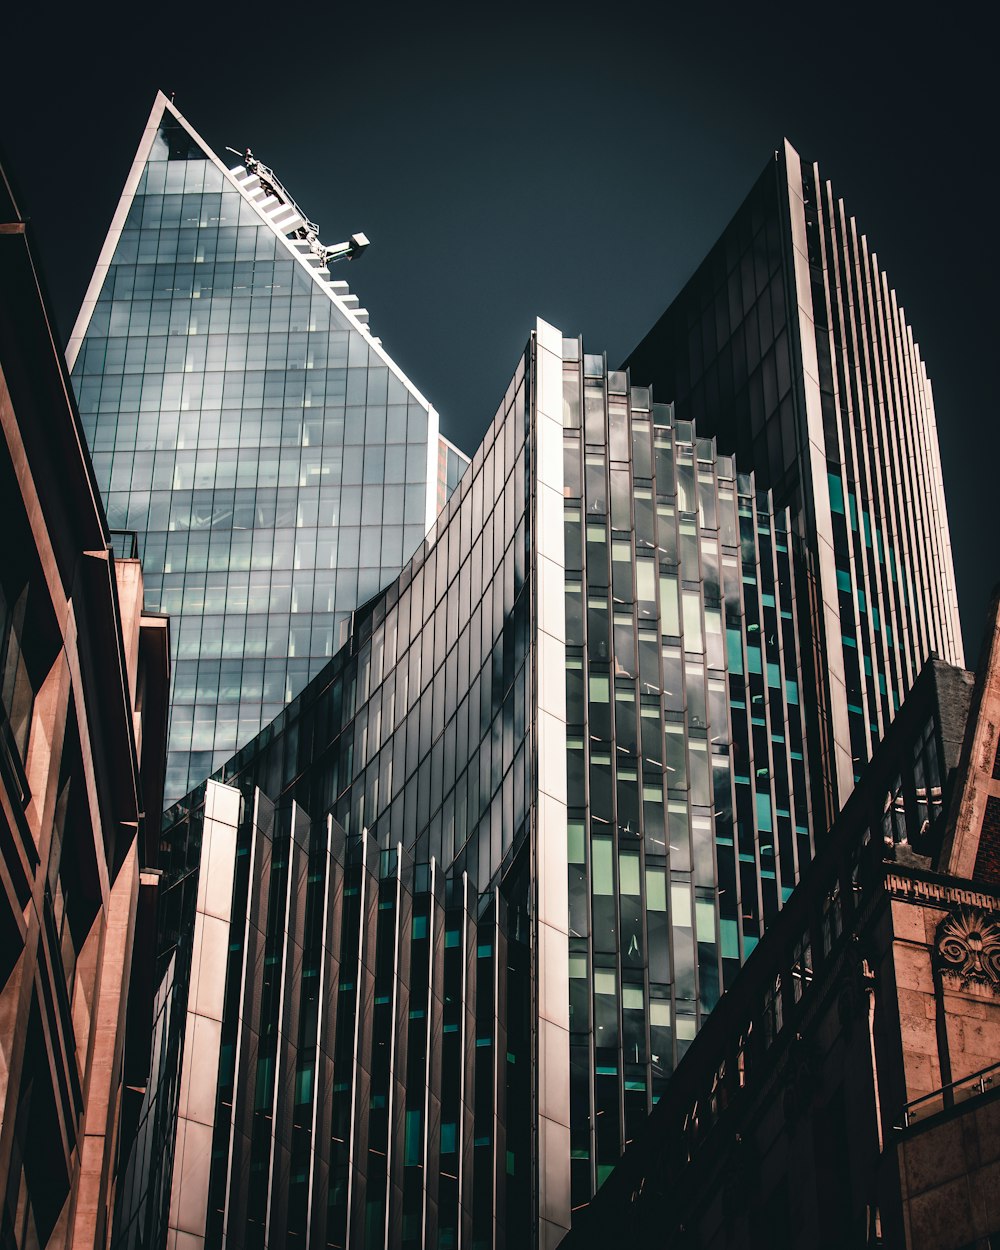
[(307, 231)]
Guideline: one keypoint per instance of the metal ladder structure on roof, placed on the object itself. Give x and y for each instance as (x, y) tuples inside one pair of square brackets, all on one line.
[(262, 188)]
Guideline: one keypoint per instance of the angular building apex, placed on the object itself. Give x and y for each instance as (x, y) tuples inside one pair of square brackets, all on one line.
[(788, 147), (247, 425), (169, 135)]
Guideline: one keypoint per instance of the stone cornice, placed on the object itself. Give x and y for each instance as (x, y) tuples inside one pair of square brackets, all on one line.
[(940, 892)]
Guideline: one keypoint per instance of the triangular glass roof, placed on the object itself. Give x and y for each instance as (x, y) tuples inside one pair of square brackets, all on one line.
[(175, 141)]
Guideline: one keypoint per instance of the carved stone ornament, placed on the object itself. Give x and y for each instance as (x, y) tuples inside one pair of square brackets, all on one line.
[(968, 943)]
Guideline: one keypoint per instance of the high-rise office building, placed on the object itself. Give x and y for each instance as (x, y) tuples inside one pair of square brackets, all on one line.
[(276, 464), (83, 720), (564, 767), (433, 942), (789, 343)]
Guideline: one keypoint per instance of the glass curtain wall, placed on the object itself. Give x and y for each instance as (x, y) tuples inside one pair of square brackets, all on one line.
[(789, 344), (686, 774), (391, 891), (247, 426), (374, 1058)]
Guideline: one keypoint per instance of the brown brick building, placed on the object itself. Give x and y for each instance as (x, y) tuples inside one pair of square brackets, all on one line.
[(83, 695)]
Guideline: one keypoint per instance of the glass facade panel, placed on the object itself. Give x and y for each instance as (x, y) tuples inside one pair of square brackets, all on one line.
[(276, 465), (412, 749), (679, 850), (788, 344)]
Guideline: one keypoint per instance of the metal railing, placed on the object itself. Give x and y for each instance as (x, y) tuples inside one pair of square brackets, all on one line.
[(124, 544), (951, 1095)]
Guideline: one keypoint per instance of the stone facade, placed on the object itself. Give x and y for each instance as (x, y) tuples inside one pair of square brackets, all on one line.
[(950, 1179)]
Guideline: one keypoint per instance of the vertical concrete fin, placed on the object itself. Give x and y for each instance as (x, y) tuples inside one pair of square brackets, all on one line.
[(551, 955)]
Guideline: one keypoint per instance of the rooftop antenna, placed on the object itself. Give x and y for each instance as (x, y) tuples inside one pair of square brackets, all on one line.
[(351, 249)]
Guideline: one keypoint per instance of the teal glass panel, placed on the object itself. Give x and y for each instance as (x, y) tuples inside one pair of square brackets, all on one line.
[(734, 650), (836, 493)]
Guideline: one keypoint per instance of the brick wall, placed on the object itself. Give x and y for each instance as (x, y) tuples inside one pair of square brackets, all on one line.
[(988, 855)]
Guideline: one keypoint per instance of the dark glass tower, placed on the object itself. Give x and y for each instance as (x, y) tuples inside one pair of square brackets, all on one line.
[(247, 425), (790, 345)]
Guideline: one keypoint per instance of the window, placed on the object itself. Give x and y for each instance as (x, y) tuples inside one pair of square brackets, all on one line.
[(894, 815), (16, 693), (802, 970), (773, 1012), (832, 919), (669, 608), (645, 580), (602, 869), (927, 779)]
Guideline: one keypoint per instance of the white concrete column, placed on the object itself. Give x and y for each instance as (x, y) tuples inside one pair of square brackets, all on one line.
[(203, 1029), (552, 925)]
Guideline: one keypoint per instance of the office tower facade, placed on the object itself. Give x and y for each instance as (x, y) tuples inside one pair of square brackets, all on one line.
[(276, 464), (789, 344), (498, 859), (847, 1091), (83, 717), (432, 943)]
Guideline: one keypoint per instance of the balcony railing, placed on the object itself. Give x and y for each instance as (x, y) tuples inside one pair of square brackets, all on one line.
[(124, 544), (951, 1095)]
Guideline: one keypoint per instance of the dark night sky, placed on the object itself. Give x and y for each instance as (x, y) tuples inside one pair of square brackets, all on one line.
[(573, 162)]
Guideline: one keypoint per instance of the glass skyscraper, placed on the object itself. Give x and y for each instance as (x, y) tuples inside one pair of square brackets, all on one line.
[(500, 857), (432, 942), (790, 344), (276, 464)]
